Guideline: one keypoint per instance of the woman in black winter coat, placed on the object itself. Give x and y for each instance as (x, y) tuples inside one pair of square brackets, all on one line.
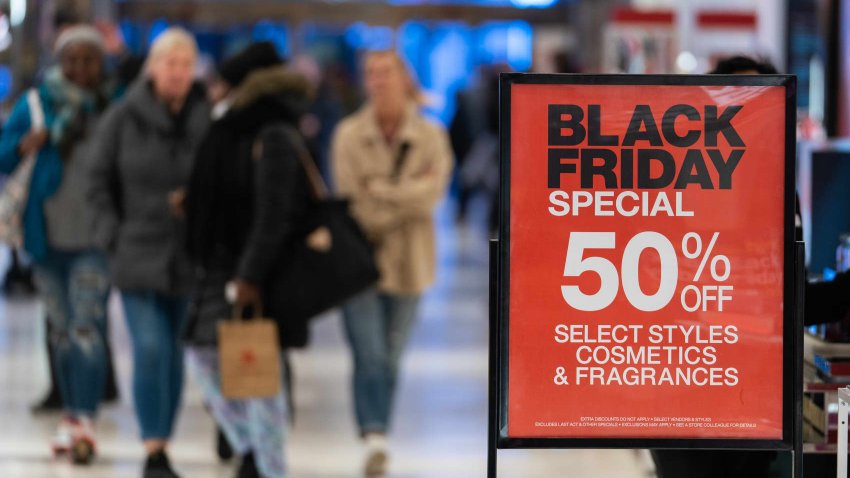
[(247, 196)]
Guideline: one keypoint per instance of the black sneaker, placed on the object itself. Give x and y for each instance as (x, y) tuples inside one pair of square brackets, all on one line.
[(110, 394), (223, 448), (52, 402), (248, 468), (158, 466), (18, 279)]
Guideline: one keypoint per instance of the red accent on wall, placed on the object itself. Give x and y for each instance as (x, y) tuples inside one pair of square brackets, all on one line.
[(631, 15), (745, 20)]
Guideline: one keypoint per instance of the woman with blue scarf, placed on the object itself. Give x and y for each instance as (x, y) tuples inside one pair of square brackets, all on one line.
[(71, 276)]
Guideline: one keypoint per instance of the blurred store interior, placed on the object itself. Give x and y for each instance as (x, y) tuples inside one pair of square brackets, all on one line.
[(453, 46), (448, 41)]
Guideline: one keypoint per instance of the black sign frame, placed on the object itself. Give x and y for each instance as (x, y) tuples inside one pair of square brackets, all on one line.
[(792, 287)]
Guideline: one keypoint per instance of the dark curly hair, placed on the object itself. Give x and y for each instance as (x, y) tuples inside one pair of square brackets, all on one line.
[(737, 64)]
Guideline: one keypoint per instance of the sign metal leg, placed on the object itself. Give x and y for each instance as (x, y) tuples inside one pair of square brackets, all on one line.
[(843, 409), (800, 298), (493, 408)]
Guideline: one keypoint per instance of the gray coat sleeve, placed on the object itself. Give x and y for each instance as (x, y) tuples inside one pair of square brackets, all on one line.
[(274, 181), (104, 186)]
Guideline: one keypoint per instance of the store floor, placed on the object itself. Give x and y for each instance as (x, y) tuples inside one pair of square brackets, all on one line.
[(440, 428)]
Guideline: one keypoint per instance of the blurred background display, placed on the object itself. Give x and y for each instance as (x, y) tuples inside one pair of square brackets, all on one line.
[(455, 50)]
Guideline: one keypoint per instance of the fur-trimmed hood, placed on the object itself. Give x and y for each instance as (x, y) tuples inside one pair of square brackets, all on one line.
[(266, 95), (273, 81)]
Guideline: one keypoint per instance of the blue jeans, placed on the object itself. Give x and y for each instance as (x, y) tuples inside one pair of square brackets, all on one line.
[(378, 325), (75, 289), (155, 323)]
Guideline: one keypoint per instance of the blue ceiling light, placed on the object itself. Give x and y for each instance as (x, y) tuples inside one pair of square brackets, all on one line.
[(266, 30), (411, 36), (5, 82), (494, 3), (533, 3), (363, 36), (132, 36), (355, 33), (520, 45), (158, 26), (506, 42)]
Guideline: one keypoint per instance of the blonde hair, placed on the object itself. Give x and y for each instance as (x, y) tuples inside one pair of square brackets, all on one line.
[(414, 92), (168, 41)]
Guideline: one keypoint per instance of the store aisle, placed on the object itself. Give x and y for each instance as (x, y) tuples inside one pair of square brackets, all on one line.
[(440, 429)]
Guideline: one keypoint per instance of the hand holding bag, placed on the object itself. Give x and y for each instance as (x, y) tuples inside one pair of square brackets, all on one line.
[(329, 265), (13, 198), (249, 356)]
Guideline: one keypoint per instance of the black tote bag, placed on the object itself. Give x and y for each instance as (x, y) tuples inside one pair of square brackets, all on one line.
[(307, 280)]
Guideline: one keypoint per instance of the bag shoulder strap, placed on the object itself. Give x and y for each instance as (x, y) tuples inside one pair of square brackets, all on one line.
[(317, 185), (400, 159), (36, 109)]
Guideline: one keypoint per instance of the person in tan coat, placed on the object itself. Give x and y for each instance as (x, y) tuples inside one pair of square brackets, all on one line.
[(394, 166)]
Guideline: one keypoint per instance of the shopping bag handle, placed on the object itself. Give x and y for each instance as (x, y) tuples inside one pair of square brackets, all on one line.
[(256, 306)]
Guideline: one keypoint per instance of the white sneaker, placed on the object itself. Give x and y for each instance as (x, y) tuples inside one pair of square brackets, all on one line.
[(377, 456), (62, 441)]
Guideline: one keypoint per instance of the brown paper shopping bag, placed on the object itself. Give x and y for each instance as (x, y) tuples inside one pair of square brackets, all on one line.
[(249, 356)]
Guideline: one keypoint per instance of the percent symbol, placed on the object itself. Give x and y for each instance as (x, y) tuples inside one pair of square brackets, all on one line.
[(697, 251)]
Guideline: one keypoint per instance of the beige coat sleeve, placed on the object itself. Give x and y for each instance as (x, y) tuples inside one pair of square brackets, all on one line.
[(374, 214), (418, 194)]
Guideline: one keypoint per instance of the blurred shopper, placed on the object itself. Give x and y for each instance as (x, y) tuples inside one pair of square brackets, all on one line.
[(20, 273), (70, 273), (143, 162), (467, 124), (217, 91), (18, 277), (743, 65), (713, 464), (323, 114), (248, 195), (566, 61), (394, 166), (474, 134)]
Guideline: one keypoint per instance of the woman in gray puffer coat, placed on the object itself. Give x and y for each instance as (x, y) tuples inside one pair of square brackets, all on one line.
[(142, 165)]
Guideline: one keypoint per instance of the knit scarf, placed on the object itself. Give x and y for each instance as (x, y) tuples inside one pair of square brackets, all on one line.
[(73, 108)]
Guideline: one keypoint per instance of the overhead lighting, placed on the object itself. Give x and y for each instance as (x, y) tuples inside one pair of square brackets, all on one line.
[(5, 33), (687, 62), (17, 12), (533, 3)]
